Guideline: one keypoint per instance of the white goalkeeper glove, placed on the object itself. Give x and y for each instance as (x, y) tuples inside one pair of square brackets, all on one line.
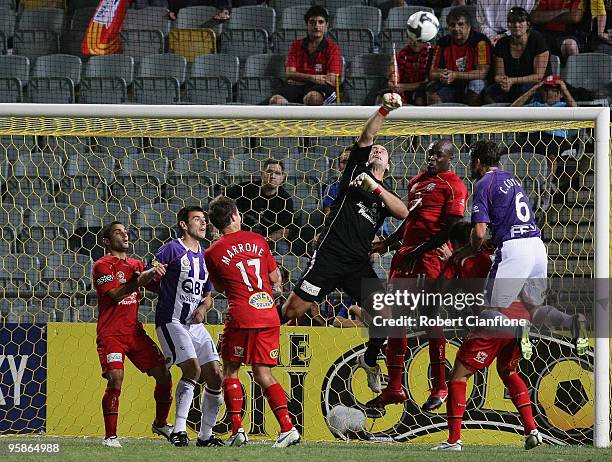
[(390, 102), (367, 183)]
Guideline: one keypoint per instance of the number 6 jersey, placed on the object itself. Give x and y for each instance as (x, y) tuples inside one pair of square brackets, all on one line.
[(240, 264), (185, 284)]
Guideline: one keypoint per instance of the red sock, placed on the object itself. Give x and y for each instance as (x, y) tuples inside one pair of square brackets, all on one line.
[(163, 400), (232, 395), (110, 410), (396, 351), (455, 407), (520, 397), (277, 399), (437, 358)]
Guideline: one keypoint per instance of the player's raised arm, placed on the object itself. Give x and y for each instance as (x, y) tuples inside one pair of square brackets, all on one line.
[(390, 102)]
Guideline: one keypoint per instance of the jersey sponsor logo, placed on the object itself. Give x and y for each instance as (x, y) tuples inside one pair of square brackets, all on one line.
[(475, 209), (310, 289), (519, 230), (318, 67), (239, 351), (190, 286), (261, 301), (121, 277), (114, 358), (274, 353), (105, 279), (461, 64), (129, 300), (431, 187), (369, 213), (481, 357)]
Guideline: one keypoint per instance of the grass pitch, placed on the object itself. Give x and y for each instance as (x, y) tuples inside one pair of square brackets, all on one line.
[(85, 449)]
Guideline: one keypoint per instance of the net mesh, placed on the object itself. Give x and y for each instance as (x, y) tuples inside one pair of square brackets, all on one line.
[(63, 178)]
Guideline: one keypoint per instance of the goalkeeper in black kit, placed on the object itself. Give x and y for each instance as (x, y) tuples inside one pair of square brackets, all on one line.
[(340, 259)]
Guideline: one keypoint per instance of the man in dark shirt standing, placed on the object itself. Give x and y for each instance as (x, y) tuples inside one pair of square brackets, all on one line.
[(266, 207)]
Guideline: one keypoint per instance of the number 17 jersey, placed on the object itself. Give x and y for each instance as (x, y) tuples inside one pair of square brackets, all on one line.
[(239, 264)]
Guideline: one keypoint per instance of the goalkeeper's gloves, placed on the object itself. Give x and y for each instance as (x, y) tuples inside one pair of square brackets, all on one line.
[(367, 183), (390, 102)]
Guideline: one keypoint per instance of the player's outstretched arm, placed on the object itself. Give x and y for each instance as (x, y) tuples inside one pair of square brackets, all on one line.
[(390, 102)]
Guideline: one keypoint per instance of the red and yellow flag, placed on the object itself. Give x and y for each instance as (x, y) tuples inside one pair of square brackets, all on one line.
[(102, 35)]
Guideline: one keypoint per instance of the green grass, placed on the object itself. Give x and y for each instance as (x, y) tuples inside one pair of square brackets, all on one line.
[(80, 449)]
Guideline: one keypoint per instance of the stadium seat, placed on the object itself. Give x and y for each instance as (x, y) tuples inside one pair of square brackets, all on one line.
[(61, 215), (333, 5), (283, 39), (81, 190), (306, 196), (54, 79), (353, 42), (243, 168), (106, 79), (253, 17), (257, 90), (358, 17), (147, 18), (58, 66), (388, 37), (35, 43), (310, 168), (191, 163), (243, 42), (116, 146), (192, 43), (370, 64), (198, 17), (292, 17), (97, 214), (170, 148), (191, 189), (19, 274), (136, 190), (118, 66), (50, 19), (156, 215), (67, 267), (8, 4), (159, 79), (11, 90), (216, 65), (29, 4), (209, 90), (398, 16), (7, 28), (139, 43), (7, 240), (592, 71), (44, 240), (362, 91), (265, 65), (91, 165), (150, 164)]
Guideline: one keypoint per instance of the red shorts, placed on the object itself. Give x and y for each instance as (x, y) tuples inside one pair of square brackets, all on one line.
[(429, 266), (479, 352), (251, 346), (139, 348)]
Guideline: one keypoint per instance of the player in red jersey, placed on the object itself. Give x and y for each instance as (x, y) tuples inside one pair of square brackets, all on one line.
[(436, 200), (242, 266), (479, 350), (117, 280)]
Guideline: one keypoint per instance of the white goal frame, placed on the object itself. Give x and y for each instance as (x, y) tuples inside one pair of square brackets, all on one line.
[(600, 116)]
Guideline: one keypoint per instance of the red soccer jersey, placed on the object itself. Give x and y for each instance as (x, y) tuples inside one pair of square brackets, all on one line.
[(239, 264), (552, 5), (431, 198), (414, 66), (474, 267), (116, 318), (325, 60), (463, 58)]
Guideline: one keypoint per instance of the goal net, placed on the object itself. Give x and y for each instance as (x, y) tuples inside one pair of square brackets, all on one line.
[(64, 173)]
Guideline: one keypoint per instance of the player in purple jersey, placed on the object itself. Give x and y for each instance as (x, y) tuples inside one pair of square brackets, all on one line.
[(184, 298), (519, 269)]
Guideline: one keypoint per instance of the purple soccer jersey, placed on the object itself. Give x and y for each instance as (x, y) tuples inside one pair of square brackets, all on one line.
[(501, 202), (185, 284)]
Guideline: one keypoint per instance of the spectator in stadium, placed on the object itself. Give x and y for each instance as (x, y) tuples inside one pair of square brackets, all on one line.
[(521, 59), (556, 145), (224, 8), (313, 64), (266, 207), (462, 61), (555, 19), (175, 5), (117, 280), (413, 66), (491, 15), (601, 11)]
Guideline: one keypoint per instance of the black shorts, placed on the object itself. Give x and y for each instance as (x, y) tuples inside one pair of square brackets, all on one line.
[(555, 39), (326, 272), (296, 93)]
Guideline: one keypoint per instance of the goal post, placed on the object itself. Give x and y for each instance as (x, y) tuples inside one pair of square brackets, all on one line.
[(410, 125)]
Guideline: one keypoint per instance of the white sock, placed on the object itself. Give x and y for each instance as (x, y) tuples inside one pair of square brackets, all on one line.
[(552, 318), (211, 403), (184, 398)]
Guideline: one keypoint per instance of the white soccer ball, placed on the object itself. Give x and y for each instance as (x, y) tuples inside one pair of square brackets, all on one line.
[(342, 419), (422, 26)]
